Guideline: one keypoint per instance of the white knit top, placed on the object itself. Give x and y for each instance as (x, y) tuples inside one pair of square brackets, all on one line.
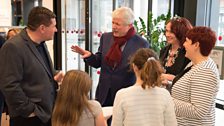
[(194, 95), (135, 106)]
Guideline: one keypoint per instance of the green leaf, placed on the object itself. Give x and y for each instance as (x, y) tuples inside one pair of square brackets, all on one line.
[(154, 30)]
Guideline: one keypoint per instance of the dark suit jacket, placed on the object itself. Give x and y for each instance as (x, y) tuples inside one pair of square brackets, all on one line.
[(2, 40), (25, 81), (111, 80)]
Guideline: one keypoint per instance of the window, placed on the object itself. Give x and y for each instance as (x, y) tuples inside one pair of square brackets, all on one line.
[(220, 33)]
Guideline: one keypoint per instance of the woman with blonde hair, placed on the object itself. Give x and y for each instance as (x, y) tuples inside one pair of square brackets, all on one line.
[(73, 107), (12, 32), (145, 103)]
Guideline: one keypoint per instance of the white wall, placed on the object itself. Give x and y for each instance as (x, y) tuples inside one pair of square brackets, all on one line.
[(5, 13), (48, 4)]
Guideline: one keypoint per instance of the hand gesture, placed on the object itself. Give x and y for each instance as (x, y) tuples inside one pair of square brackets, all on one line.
[(81, 51)]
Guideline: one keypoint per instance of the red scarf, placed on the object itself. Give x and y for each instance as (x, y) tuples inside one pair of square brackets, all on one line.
[(113, 57)]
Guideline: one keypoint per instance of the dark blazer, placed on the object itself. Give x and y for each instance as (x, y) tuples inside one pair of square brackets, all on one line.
[(111, 80), (2, 40), (25, 81)]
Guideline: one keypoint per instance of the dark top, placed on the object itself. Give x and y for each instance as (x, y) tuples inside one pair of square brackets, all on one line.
[(180, 61), (41, 49), (2, 40)]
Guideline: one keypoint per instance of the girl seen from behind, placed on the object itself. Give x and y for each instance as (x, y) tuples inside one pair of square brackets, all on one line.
[(145, 103), (72, 107)]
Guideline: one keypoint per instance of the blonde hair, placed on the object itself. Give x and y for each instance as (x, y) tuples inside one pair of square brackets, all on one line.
[(150, 68), (72, 98), (15, 30)]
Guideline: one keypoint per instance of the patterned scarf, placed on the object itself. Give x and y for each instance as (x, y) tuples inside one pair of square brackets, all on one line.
[(113, 57)]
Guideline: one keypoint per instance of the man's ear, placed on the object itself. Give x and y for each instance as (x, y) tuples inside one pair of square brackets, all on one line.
[(42, 28)]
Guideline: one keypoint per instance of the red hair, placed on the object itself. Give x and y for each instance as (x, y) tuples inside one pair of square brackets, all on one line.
[(205, 36)]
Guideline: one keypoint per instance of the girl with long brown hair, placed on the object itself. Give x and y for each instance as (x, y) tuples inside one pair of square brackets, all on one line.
[(73, 107)]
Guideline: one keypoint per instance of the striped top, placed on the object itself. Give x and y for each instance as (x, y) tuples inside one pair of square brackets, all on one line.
[(135, 106), (194, 95)]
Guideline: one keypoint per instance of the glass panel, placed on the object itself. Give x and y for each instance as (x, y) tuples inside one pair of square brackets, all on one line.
[(126, 3), (101, 22), (220, 42), (141, 9), (221, 23), (160, 7), (73, 33), (5, 13)]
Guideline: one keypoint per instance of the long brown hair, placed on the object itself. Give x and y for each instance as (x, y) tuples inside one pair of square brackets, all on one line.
[(150, 68), (72, 98)]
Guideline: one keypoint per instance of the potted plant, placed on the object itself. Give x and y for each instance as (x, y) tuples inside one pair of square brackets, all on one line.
[(154, 31)]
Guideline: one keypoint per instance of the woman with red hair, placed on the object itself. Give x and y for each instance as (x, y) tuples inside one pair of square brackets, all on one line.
[(195, 90)]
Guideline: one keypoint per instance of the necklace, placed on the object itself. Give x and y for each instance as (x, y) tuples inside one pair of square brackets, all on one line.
[(170, 60)]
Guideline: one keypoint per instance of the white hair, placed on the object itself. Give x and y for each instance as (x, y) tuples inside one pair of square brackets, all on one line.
[(126, 13)]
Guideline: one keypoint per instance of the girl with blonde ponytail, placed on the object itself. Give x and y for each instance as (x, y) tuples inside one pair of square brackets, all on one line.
[(144, 103)]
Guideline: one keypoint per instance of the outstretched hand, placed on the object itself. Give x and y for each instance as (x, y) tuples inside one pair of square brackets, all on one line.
[(81, 51)]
